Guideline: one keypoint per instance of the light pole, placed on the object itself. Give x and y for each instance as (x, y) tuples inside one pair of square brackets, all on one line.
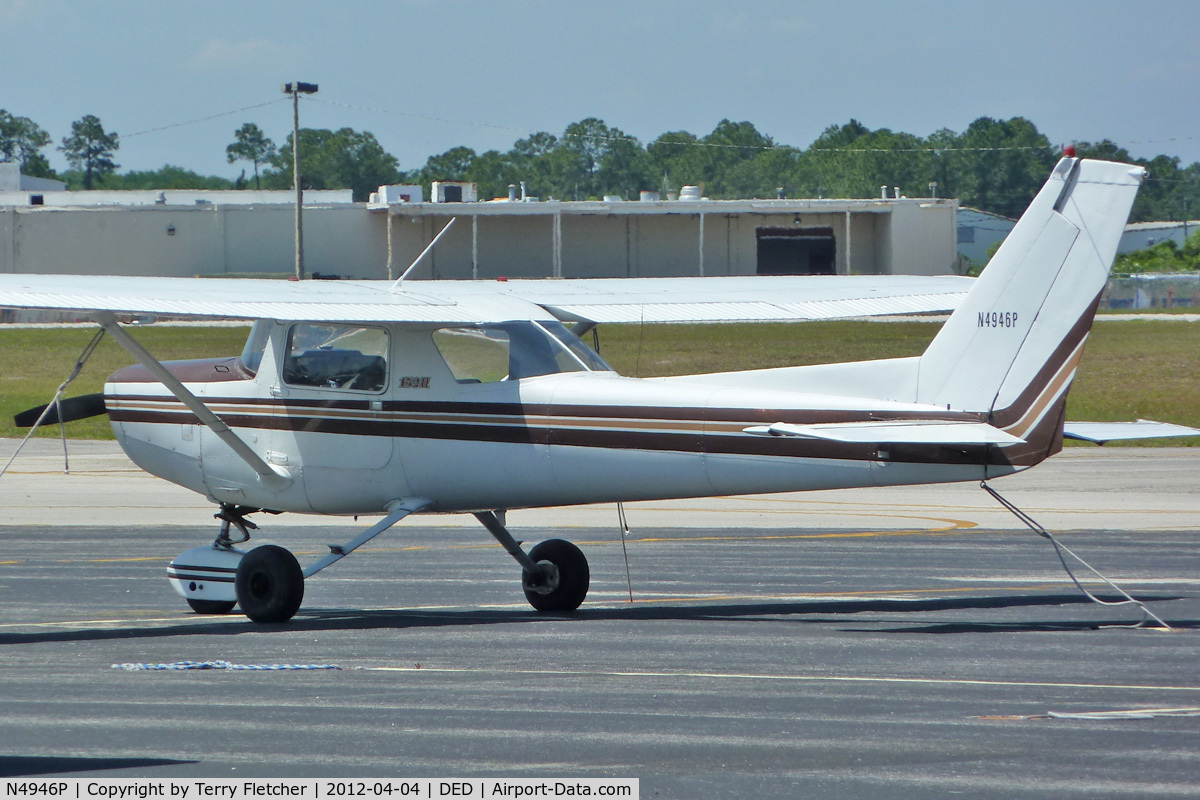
[(295, 90)]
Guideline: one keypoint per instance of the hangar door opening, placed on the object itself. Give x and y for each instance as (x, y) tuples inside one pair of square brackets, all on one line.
[(796, 251)]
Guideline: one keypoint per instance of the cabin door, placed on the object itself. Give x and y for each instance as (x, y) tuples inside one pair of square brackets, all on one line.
[(329, 405)]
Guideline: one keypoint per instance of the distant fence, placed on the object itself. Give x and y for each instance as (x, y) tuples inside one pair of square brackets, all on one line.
[(1172, 290)]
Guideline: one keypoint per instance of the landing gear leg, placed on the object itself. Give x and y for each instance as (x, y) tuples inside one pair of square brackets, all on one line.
[(555, 574), (236, 515)]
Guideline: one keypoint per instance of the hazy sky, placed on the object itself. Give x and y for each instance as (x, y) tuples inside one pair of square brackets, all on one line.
[(425, 76)]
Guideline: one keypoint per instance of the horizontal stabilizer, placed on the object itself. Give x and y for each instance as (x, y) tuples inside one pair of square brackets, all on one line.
[(1102, 432), (892, 432)]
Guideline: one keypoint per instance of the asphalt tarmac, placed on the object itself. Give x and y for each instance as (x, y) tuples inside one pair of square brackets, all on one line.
[(875, 643)]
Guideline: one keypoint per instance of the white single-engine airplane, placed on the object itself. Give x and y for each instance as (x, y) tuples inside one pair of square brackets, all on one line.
[(364, 397)]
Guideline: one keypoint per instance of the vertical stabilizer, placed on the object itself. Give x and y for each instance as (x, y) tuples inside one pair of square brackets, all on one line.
[(1011, 348)]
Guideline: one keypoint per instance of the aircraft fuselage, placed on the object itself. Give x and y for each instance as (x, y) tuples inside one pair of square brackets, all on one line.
[(411, 411)]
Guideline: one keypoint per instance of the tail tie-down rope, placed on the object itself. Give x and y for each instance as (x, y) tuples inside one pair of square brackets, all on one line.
[(1060, 548)]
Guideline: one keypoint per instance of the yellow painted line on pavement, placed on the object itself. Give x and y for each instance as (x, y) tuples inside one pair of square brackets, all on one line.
[(896, 593), (750, 676), (952, 526)]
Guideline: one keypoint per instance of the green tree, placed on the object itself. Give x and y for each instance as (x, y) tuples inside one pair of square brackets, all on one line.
[(38, 167), (168, 177), (577, 158), (625, 167), (1002, 164), (495, 171), (1165, 256), (21, 140), (590, 138), (251, 145), (342, 159), (726, 152), (852, 160), (90, 149), (537, 145), (452, 165), (675, 157)]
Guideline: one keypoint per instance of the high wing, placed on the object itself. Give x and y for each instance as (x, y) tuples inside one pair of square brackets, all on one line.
[(716, 299), (779, 298)]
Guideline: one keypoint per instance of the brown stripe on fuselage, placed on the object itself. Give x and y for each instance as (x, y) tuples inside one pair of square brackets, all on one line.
[(570, 414), (605, 432)]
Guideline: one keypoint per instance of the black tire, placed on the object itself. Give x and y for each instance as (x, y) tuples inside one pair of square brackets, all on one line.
[(566, 585), (269, 584), (211, 606)]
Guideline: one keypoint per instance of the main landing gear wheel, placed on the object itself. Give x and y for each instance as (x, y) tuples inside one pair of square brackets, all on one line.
[(269, 584), (563, 581), (211, 606)]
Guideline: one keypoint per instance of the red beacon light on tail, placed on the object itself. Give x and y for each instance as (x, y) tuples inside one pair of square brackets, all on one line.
[(1068, 151)]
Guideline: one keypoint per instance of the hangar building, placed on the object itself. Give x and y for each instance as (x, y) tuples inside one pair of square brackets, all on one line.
[(184, 233)]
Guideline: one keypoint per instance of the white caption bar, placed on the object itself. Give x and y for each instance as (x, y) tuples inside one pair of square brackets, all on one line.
[(385, 788)]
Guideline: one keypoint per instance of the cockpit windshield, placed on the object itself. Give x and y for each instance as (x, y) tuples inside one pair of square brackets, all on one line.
[(256, 345), (514, 350)]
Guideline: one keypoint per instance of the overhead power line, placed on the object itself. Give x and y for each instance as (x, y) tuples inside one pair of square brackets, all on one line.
[(202, 119)]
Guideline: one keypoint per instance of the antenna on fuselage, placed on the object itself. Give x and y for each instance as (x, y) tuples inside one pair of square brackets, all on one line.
[(417, 260)]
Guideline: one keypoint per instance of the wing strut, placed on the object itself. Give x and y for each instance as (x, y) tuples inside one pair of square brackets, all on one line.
[(272, 478)]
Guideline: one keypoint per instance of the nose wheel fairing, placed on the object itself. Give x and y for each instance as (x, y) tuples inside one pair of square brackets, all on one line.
[(205, 574)]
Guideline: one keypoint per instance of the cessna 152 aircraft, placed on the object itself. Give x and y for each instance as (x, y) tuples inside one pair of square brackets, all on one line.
[(368, 398)]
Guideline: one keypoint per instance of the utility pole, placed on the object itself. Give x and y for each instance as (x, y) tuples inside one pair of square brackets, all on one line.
[(295, 90)]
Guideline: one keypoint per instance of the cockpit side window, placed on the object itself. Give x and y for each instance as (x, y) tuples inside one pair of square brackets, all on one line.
[(474, 354), (513, 350), (336, 357)]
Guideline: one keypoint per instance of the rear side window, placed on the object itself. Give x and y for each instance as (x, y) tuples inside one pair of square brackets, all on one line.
[(336, 357), (510, 351)]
